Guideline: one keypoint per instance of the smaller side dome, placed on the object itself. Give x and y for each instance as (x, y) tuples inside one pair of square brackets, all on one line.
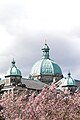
[(13, 71), (69, 81)]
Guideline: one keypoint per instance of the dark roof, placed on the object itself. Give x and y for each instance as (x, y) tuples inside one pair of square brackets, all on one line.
[(30, 84), (77, 83), (33, 84)]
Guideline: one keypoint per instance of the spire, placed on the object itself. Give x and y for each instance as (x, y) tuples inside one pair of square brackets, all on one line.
[(13, 63), (45, 41), (45, 50)]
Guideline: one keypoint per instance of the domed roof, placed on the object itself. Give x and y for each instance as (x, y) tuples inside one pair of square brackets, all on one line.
[(69, 81), (45, 66), (13, 71)]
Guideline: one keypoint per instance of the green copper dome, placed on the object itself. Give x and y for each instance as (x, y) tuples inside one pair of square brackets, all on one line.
[(45, 66), (69, 81), (13, 71)]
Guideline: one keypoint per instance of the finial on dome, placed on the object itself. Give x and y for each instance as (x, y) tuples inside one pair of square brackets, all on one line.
[(13, 62), (69, 74)]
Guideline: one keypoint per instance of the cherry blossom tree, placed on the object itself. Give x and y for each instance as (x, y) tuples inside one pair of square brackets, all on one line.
[(49, 104)]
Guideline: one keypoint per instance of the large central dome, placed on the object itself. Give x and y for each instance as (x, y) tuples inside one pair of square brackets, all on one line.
[(46, 68)]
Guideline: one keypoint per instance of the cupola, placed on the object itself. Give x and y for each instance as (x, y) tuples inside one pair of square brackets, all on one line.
[(69, 84), (13, 71), (68, 81)]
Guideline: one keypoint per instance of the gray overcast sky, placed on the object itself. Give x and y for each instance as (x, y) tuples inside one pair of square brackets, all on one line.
[(24, 26)]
